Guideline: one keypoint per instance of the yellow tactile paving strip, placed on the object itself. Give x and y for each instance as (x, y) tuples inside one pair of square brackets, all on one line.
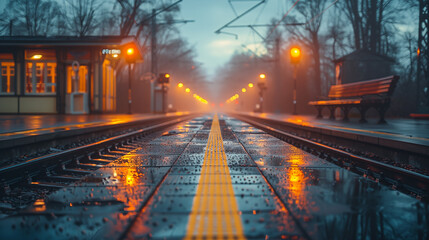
[(215, 213)]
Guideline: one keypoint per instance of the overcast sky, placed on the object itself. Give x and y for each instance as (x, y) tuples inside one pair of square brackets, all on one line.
[(215, 49)]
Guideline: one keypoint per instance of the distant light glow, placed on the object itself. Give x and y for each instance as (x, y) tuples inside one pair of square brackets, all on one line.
[(188, 90), (37, 56), (199, 98), (115, 55), (418, 52), (180, 85), (250, 85), (167, 75), (243, 90), (231, 99), (262, 76)]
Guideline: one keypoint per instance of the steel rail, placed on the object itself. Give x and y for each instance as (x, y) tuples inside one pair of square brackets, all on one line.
[(17, 172), (402, 179)]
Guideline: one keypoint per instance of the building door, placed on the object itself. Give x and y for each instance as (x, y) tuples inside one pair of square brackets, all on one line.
[(77, 89), (109, 87)]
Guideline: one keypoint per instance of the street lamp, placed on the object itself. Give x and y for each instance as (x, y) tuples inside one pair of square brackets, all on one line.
[(250, 85), (295, 57), (262, 87), (131, 59)]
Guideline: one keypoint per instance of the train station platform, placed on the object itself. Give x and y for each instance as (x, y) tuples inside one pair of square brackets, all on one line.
[(220, 178), (397, 133), (30, 125)]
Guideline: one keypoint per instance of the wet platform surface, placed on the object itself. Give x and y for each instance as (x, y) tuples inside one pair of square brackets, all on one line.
[(30, 125), (221, 178), (404, 130)]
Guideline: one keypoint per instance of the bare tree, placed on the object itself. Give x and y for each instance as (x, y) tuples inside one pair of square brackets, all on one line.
[(129, 14), (370, 19), (31, 17), (82, 16), (310, 11)]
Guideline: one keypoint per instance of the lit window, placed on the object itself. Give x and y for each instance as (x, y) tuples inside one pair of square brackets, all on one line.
[(7, 85), (40, 72)]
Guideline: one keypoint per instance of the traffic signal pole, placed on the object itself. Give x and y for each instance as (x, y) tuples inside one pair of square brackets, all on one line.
[(129, 88), (295, 57), (294, 89), (153, 57)]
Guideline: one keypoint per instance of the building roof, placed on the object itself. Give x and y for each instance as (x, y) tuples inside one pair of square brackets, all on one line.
[(364, 55), (67, 41)]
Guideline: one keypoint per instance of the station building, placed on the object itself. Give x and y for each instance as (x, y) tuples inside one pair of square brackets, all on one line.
[(61, 75), (362, 65)]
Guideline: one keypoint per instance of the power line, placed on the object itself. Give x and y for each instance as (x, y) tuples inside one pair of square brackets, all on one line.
[(284, 16), (322, 12)]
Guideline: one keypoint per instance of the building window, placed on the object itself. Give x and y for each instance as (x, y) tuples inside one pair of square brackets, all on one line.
[(7, 78), (41, 68), (7, 85)]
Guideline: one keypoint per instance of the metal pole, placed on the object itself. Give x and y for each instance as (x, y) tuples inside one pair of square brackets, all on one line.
[(294, 90), (154, 63), (163, 98), (129, 88)]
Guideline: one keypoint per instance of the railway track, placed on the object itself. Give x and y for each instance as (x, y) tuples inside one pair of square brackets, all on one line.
[(404, 180), (57, 170)]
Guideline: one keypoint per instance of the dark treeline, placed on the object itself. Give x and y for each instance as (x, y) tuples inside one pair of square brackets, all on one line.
[(384, 27)]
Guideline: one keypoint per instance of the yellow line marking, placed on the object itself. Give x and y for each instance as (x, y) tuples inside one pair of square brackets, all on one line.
[(215, 213)]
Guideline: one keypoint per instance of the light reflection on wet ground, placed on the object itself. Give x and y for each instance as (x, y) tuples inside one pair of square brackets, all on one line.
[(102, 205), (320, 199), (331, 202)]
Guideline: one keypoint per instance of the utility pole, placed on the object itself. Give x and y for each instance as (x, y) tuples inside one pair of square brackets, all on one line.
[(423, 58), (153, 57)]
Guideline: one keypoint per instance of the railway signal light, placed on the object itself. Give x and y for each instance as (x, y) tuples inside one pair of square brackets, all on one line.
[(295, 54), (130, 55), (164, 78)]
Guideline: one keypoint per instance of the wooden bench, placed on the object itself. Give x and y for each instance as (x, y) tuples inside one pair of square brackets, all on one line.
[(362, 95)]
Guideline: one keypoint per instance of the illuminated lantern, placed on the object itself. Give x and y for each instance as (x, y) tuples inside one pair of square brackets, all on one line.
[(295, 54), (130, 55)]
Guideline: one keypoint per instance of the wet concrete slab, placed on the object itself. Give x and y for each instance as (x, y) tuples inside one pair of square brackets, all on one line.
[(260, 210), (104, 203), (330, 202), (298, 195)]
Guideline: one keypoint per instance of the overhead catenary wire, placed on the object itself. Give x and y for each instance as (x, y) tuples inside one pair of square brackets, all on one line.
[(284, 16), (321, 13)]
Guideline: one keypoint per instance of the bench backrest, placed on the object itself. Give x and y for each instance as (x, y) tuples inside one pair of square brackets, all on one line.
[(381, 87)]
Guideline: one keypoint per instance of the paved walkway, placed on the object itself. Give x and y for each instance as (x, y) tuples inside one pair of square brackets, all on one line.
[(405, 130), (30, 125)]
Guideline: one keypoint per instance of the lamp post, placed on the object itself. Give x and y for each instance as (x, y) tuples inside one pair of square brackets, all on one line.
[(295, 57), (262, 87), (130, 58)]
